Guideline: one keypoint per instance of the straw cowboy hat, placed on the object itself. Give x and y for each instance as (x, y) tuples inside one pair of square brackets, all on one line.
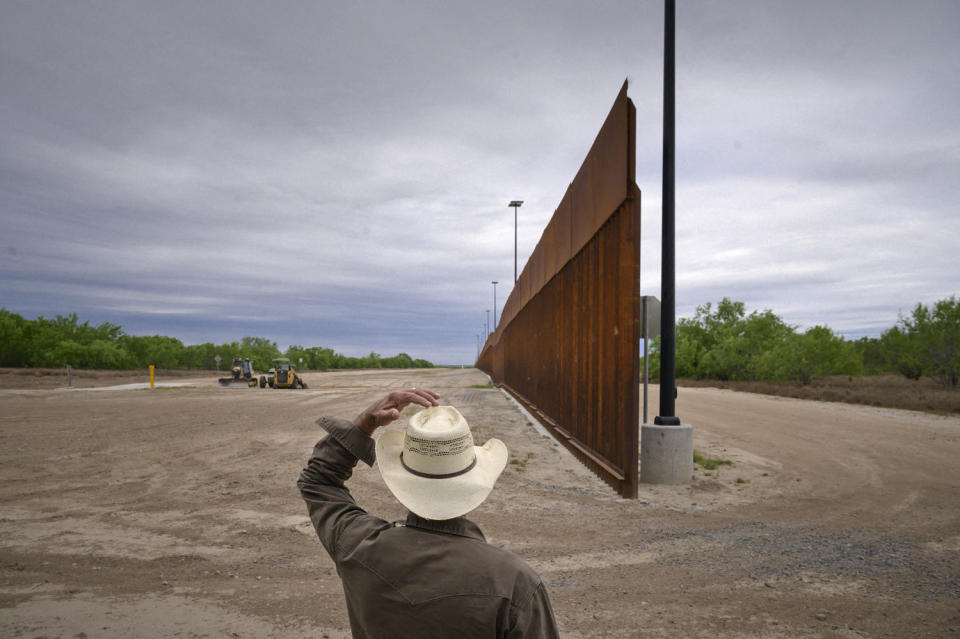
[(434, 469)]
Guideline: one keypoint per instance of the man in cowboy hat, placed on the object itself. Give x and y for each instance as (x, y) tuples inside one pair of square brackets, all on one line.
[(433, 575)]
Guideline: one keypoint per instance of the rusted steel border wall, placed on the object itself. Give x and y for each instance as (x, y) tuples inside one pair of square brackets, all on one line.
[(568, 339)]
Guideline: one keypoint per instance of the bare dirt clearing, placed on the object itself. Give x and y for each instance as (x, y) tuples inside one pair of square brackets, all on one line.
[(49, 378), (888, 389), (174, 512)]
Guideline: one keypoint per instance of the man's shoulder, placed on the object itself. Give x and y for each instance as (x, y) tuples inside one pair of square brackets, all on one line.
[(425, 564), (501, 556), (496, 564), (473, 547)]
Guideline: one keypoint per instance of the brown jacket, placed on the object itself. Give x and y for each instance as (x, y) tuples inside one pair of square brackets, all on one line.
[(418, 578)]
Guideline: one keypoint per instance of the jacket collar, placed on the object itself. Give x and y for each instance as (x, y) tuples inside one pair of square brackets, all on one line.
[(459, 526)]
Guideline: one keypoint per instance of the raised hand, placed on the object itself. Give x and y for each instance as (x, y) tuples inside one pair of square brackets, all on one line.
[(385, 410)]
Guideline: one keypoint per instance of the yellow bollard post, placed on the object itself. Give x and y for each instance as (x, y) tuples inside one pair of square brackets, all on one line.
[(151, 376)]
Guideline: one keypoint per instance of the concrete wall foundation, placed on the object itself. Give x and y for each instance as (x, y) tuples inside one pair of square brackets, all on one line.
[(666, 454)]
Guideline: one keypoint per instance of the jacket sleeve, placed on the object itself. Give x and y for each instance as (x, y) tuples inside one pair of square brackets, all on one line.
[(330, 505), (535, 619)]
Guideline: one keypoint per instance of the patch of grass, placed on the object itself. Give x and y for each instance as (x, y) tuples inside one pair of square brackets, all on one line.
[(520, 464), (741, 480), (708, 463), (487, 385)]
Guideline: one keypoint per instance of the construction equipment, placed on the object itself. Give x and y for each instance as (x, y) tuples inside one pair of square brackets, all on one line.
[(282, 375), (241, 374)]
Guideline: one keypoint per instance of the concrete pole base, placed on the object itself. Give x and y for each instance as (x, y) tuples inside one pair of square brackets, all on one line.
[(666, 454)]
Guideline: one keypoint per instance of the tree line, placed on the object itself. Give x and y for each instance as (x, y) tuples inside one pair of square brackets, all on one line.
[(62, 340), (723, 342)]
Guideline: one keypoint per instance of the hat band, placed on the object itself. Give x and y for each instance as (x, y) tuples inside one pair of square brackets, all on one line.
[(432, 476)]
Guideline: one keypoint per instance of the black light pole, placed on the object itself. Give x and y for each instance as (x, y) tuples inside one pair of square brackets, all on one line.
[(515, 204), (495, 304), (668, 337), (488, 324)]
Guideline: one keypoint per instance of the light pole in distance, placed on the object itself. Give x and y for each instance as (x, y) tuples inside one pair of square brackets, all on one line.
[(495, 304), (515, 204)]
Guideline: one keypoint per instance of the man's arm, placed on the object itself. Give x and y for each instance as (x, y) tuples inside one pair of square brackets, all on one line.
[(331, 506), (535, 620)]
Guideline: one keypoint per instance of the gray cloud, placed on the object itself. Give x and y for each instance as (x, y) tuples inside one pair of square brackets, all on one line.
[(190, 169)]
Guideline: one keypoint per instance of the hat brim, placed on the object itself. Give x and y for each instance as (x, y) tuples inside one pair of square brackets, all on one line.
[(440, 498)]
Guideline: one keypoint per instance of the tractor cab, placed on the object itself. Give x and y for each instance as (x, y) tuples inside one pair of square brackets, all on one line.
[(242, 368), (283, 370)]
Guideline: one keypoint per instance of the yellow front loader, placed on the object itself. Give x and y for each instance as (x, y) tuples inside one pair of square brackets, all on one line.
[(241, 375)]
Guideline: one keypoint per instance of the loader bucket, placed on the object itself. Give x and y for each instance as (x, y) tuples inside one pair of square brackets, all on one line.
[(229, 382)]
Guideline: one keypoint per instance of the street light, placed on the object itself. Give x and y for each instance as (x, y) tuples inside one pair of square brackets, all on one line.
[(487, 328), (668, 339), (495, 304), (515, 204)]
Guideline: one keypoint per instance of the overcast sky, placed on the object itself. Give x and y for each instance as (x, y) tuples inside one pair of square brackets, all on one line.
[(338, 173)]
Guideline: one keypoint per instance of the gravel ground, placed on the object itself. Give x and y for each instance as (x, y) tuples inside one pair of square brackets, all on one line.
[(173, 513)]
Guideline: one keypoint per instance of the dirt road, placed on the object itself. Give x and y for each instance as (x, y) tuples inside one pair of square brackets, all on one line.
[(174, 512)]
